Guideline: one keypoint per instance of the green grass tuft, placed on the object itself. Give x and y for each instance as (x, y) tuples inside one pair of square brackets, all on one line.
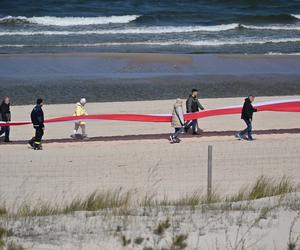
[(162, 227), (179, 242), (93, 202), (264, 187), (3, 211), (97, 201)]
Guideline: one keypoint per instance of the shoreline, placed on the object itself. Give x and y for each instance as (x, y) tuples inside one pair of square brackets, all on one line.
[(112, 77), (99, 53), (61, 91), (119, 65)]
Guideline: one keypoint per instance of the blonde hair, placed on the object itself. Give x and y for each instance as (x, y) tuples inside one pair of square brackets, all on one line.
[(179, 101)]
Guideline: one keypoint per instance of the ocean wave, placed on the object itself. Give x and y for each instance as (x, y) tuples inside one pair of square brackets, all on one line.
[(140, 30), (296, 16), (272, 27), (276, 18), (68, 21), (242, 42), (153, 30), (166, 43)]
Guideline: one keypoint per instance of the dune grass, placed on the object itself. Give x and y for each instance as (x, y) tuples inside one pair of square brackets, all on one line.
[(264, 187), (3, 210), (193, 199), (122, 201), (98, 201), (93, 202), (4, 233)]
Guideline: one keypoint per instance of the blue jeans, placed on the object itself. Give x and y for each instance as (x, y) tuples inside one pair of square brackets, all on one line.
[(247, 130), (193, 124), (5, 130), (177, 132)]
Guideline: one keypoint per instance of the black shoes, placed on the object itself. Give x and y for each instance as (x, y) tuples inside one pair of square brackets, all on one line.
[(35, 146), (30, 142), (38, 147)]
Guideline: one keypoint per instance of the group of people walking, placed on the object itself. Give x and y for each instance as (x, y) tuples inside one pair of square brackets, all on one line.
[(193, 105), (178, 122), (37, 119)]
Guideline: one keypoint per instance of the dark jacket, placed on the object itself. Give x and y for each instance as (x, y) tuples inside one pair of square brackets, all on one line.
[(5, 112), (37, 117), (193, 105), (248, 110)]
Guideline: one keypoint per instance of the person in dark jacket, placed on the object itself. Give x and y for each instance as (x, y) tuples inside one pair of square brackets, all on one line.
[(5, 116), (193, 105), (37, 119), (247, 116)]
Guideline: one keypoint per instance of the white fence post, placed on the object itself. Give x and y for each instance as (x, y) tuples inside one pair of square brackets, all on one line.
[(209, 172)]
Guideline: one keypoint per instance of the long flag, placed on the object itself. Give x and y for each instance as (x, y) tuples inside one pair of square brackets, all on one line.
[(279, 106)]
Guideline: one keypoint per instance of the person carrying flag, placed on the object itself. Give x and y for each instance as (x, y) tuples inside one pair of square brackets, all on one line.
[(37, 119)]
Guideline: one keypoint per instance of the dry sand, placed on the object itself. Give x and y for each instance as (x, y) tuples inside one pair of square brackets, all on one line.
[(114, 157), (64, 170), (259, 224)]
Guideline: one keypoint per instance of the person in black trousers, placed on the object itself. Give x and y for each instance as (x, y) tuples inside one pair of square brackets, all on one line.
[(5, 116), (193, 105), (247, 116), (37, 119)]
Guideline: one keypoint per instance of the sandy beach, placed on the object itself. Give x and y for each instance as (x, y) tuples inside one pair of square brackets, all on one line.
[(126, 186), (132, 185), (138, 156)]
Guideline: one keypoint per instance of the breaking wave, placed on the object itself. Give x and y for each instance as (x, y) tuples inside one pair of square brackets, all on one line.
[(68, 21), (153, 30), (167, 43)]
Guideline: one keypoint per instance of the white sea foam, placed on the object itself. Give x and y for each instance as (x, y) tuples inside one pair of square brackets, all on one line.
[(296, 16), (150, 30), (167, 43), (280, 53), (70, 21), (272, 27), (240, 42), (139, 30)]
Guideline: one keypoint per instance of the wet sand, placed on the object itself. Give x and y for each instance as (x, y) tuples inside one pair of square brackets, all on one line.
[(106, 77)]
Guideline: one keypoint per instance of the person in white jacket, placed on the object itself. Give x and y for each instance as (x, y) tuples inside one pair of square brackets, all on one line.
[(80, 110), (177, 121)]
